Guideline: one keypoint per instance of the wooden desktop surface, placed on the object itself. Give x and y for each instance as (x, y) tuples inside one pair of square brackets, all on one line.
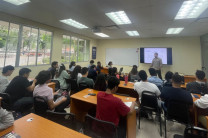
[(130, 85), (40, 127), (104, 70), (81, 105), (195, 109)]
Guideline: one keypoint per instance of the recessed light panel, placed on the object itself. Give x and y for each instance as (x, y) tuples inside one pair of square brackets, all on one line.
[(17, 2), (174, 30), (192, 9), (101, 34), (74, 23), (119, 17), (132, 33)]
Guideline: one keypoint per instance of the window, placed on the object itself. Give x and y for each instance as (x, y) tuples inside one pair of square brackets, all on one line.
[(65, 49), (8, 43), (75, 49), (23, 45)]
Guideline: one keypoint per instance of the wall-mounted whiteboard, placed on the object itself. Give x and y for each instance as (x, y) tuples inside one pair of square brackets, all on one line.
[(122, 56)]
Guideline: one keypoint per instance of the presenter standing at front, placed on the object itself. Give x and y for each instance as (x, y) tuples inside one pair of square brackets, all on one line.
[(157, 65)]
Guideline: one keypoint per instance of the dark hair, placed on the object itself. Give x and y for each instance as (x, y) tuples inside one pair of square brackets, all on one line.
[(152, 72), (100, 83), (143, 75), (168, 75), (200, 74), (176, 78), (24, 71), (134, 70), (75, 72), (54, 63), (84, 70), (61, 68), (72, 64), (113, 82), (43, 76), (109, 63), (91, 61), (92, 67), (113, 71), (156, 53), (7, 68)]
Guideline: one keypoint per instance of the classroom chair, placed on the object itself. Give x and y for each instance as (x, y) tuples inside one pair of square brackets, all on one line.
[(149, 103), (74, 86), (6, 101), (98, 128), (193, 132), (177, 111), (83, 86), (40, 106), (57, 86)]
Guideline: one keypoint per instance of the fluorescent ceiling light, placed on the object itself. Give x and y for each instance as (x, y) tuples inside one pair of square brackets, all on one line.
[(174, 30), (17, 2), (192, 9), (74, 23), (119, 17), (101, 34), (132, 33)]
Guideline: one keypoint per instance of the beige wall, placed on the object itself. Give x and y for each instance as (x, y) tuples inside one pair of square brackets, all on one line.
[(57, 42), (186, 52)]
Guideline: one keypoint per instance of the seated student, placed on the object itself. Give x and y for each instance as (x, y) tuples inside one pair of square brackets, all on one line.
[(99, 67), (175, 92), (84, 78), (91, 63), (168, 79), (76, 74), (100, 83), (113, 71), (20, 91), (4, 82), (110, 108), (144, 85), (42, 90), (53, 68), (198, 87), (61, 76), (6, 118), (154, 79), (72, 66), (133, 75), (110, 64), (92, 73)]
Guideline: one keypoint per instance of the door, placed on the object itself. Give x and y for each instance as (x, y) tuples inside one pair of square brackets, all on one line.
[(204, 51)]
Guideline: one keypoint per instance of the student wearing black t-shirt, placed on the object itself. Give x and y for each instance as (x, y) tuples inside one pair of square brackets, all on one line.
[(175, 93), (20, 91)]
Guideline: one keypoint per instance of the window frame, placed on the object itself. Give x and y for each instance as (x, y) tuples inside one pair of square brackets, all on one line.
[(19, 44)]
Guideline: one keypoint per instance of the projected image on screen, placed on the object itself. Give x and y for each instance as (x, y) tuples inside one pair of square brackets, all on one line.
[(149, 54)]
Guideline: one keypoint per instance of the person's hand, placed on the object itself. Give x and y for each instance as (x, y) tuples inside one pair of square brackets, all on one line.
[(55, 93), (35, 80), (64, 99)]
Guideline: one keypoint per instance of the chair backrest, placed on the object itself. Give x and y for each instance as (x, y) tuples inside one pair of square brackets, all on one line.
[(57, 86), (195, 132), (40, 105), (74, 86), (65, 119), (179, 111), (149, 101), (6, 101), (83, 86), (98, 128)]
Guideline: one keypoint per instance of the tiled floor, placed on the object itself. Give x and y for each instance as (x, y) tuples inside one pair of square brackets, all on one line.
[(151, 128)]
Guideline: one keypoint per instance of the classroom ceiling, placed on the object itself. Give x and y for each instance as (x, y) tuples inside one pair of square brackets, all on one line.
[(151, 18)]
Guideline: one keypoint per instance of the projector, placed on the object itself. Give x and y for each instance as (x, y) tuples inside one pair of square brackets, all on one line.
[(96, 29)]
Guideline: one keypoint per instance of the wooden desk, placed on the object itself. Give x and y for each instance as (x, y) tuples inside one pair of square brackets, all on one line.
[(195, 109), (40, 127), (183, 86), (127, 89), (80, 106), (104, 70), (191, 78)]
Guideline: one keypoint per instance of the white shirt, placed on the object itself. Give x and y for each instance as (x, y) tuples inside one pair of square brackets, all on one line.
[(202, 102), (79, 76), (146, 86), (4, 82)]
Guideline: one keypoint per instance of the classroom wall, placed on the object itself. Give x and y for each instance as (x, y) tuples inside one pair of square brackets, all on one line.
[(57, 42), (186, 52)]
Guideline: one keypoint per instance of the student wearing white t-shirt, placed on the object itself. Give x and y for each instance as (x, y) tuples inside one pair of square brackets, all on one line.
[(4, 82), (144, 85)]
